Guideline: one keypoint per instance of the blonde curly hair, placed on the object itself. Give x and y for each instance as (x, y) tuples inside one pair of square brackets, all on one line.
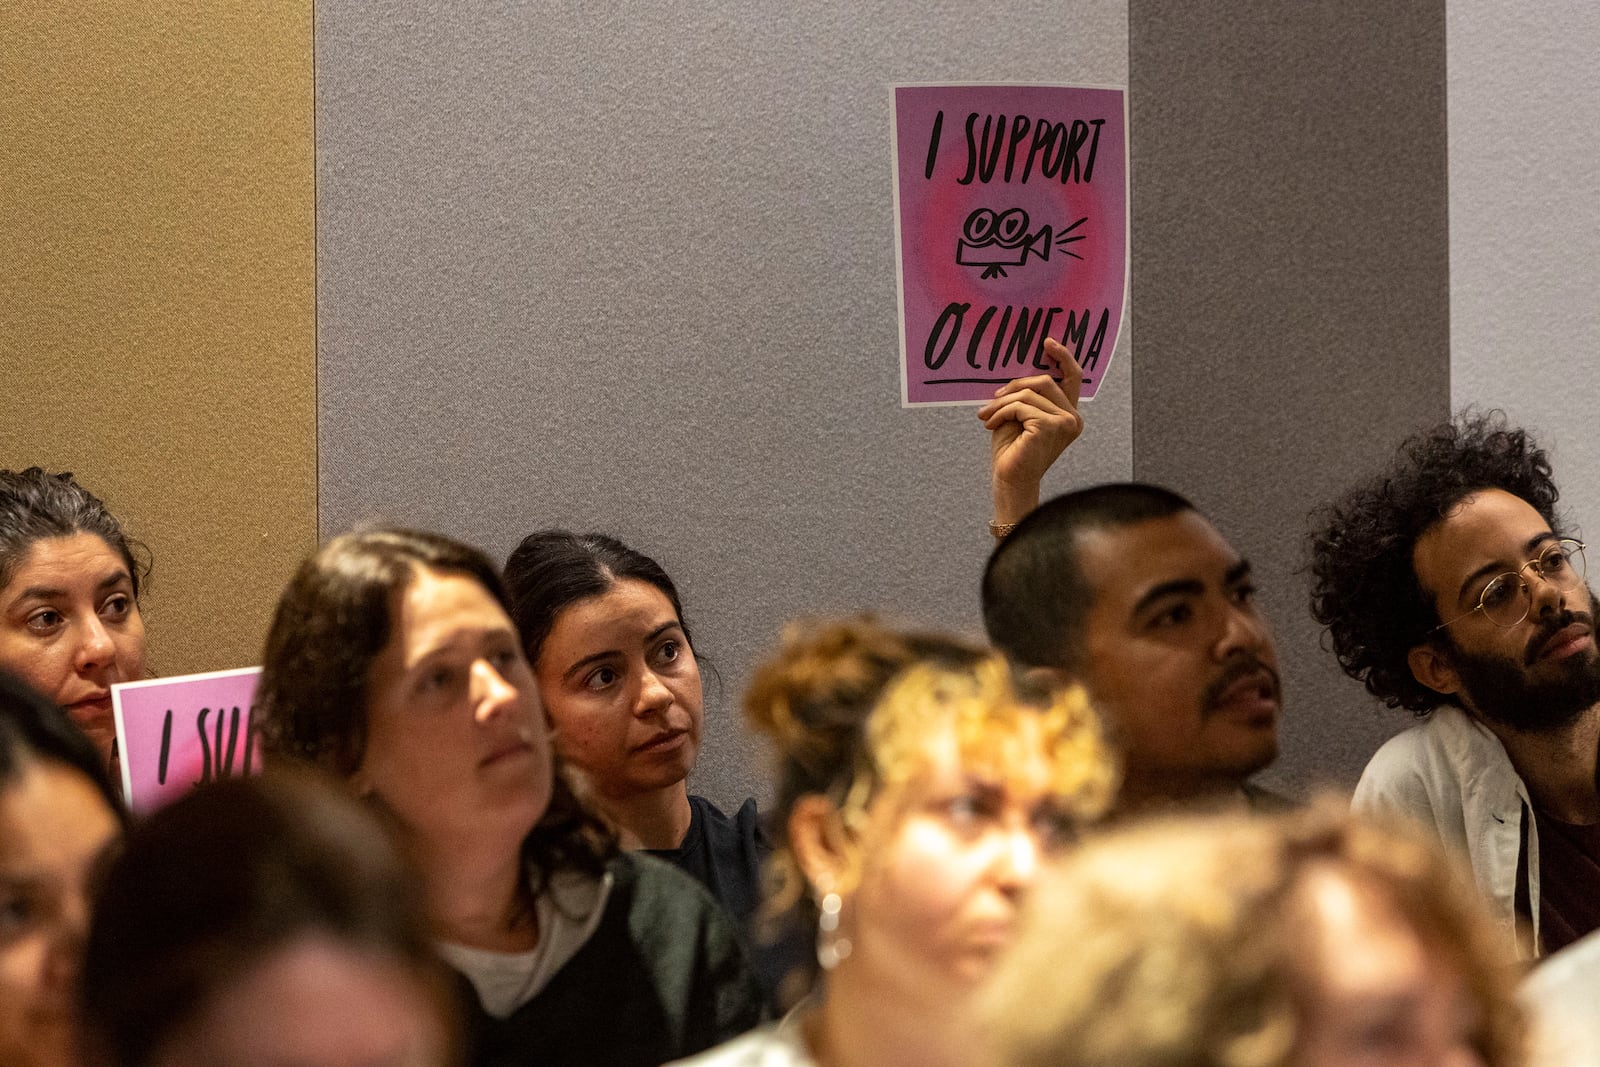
[(856, 712), (1175, 943)]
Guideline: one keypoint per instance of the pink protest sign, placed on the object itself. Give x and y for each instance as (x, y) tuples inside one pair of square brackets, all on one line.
[(174, 733), (1011, 218)]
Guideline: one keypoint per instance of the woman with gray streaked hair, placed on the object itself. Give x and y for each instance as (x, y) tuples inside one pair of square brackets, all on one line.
[(70, 580)]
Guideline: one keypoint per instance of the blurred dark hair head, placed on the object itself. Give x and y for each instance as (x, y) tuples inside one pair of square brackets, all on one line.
[(32, 728), (215, 883)]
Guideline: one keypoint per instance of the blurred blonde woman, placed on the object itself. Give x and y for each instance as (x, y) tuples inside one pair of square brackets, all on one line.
[(921, 785), (1313, 939)]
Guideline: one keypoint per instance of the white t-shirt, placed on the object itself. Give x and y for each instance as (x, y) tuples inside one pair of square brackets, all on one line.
[(1562, 996), (568, 912), (781, 1044)]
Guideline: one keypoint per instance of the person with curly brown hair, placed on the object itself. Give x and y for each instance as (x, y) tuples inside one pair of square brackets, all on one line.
[(1451, 588)]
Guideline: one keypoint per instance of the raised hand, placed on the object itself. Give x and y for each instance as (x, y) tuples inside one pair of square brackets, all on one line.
[(1031, 421)]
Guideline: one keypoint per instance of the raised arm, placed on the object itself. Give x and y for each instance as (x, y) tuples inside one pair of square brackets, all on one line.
[(1031, 421)]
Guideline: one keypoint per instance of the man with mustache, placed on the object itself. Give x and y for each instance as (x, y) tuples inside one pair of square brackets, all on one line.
[(1129, 589), (1449, 588)]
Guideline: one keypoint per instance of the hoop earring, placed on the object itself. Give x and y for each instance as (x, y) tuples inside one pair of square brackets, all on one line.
[(831, 947)]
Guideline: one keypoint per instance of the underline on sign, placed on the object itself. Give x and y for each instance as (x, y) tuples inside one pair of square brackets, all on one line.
[(974, 381)]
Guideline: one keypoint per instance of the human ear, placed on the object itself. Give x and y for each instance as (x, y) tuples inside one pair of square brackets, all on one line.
[(816, 837), (1431, 666)]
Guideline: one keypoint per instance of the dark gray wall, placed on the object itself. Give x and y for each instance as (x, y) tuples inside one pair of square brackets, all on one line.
[(1291, 274), (628, 266)]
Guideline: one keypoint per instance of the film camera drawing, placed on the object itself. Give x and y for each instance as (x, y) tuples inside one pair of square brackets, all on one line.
[(997, 240)]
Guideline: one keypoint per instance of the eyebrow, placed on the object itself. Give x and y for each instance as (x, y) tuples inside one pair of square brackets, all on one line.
[(578, 667), (1497, 567), (1190, 586), (1176, 587), (452, 643), (1381, 1004), (50, 592)]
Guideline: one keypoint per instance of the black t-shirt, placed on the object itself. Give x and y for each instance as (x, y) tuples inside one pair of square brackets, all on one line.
[(722, 854), (1569, 881), (726, 856)]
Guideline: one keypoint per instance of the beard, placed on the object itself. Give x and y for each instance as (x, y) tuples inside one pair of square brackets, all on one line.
[(1499, 688)]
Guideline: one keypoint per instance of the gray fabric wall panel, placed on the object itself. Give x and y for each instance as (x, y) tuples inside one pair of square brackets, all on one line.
[(632, 270), (1290, 267), (1525, 227)]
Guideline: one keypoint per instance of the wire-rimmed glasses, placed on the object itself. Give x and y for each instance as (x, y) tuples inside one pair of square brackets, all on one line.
[(1507, 599)]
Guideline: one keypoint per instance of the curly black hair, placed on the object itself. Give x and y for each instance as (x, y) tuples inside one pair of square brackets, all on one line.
[(1365, 590)]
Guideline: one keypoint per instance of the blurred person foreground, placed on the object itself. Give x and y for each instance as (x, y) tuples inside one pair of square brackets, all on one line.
[(266, 922), (1313, 939), (922, 783), (59, 817)]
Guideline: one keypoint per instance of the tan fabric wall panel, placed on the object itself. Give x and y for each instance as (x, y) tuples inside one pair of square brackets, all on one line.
[(157, 292)]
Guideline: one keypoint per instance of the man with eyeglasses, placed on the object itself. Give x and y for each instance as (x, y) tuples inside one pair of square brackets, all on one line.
[(1450, 589)]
